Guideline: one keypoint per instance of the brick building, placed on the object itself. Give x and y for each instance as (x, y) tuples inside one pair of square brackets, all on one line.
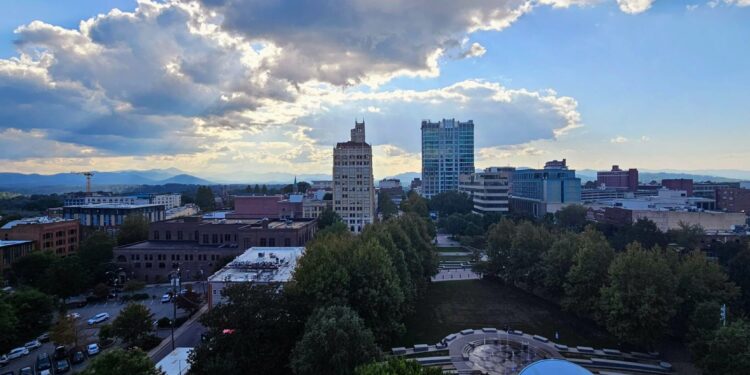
[(685, 184), (12, 250), (58, 236), (267, 206), (197, 246), (733, 200), (618, 178)]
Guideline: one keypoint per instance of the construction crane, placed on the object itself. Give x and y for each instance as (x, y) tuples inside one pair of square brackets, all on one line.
[(88, 180)]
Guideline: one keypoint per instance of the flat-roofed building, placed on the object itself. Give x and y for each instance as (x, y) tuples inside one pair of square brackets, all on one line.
[(110, 216), (489, 190), (447, 153), (257, 265), (267, 206), (10, 251), (618, 178), (537, 192), (353, 185), (55, 235)]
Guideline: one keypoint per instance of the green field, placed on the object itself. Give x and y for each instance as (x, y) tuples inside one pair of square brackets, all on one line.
[(449, 307)]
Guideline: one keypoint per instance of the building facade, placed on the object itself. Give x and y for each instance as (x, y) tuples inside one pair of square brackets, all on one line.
[(111, 216), (353, 185), (684, 184), (167, 200), (618, 178), (57, 236), (708, 189), (267, 206), (196, 247), (489, 189), (537, 192), (257, 265), (10, 251), (733, 200), (447, 153)]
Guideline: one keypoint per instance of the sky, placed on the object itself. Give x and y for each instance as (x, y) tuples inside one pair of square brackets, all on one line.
[(230, 90)]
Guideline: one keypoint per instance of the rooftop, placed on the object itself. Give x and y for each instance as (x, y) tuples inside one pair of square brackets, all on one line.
[(116, 205), (4, 243), (261, 264), (170, 245), (34, 220)]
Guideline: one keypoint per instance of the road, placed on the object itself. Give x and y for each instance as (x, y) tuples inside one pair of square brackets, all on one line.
[(188, 335), (90, 333)]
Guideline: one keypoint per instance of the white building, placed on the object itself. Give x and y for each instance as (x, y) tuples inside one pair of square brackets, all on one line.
[(353, 185), (258, 265), (489, 189), (167, 200), (182, 211), (177, 362)]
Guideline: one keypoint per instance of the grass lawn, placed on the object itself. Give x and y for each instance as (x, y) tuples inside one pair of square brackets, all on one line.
[(450, 307)]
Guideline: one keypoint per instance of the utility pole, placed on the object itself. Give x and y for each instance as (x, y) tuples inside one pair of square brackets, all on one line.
[(175, 290)]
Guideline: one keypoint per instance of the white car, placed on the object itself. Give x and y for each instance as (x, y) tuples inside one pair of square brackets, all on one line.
[(18, 353), (98, 318), (33, 344), (74, 315), (92, 349), (3, 360), (166, 298), (45, 372)]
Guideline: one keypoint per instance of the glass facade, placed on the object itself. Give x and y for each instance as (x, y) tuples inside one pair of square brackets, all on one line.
[(447, 153)]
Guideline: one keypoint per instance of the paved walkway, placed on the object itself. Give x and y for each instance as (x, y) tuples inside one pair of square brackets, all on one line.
[(456, 274)]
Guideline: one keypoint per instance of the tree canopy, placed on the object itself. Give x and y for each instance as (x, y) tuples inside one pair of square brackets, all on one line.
[(133, 324), (451, 202), (119, 361), (133, 229), (397, 366)]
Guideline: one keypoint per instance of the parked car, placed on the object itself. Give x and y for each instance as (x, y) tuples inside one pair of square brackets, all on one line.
[(43, 362), (45, 372), (77, 357), (92, 349), (33, 344), (74, 315), (166, 298), (4, 360), (62, 366), (18, 353), (44, 337), (98, 318), (26, 371), (8, 373), (60, 352)]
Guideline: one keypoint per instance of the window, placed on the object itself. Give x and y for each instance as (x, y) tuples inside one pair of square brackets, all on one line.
[(205, 238), (214, 238), (179, 235), (148, 265), (168, 235), (263, 241), (287, 242), (162, 265), (271, 242), (156, 234)]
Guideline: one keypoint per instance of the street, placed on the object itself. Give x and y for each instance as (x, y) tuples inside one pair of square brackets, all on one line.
[(188, 335)]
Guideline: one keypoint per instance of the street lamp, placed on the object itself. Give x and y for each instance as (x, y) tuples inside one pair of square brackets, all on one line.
[(175, 280)]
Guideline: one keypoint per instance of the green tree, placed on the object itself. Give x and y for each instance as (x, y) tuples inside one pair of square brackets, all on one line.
[(31, 269), (499, 241), (264, 189), (587, 274), (34, 310), (704, 321), (527, 247), (336, 341), (134, 323), (119, 361), (322, 274), (640, 298), (397, 366), (65, 332), (67, 277), (451, 202), (265, 324), (8, 326), (189, 301), (687, 236), (96, 254), (728, 350), (739, 272), (571, 217), (386, 206), (256, 189), (101, 291), (327, 218), (558, 261), (133, 285), (133, 229), (415, 204), (204, 198)]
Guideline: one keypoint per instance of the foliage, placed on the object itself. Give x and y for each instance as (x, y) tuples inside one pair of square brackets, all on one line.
[(526, 250), (386, 206), (644, 231), (65, 332), (558, 261), (34, 311), (397, 366), (571, 217), (687, 236), (204, 198), (133, 229), (728, 350), (265, 322), (640, 298), (119, 361), (451, 202), (8, 326), (739, 272), (327, 218), (456, 224), (302, 187), (587, 274), (133, 285), (134, 322), (335, 341), (101, 291), (30, 270), (189, 301), (415, 204), (66, 277), (106, 332), (704, 321)]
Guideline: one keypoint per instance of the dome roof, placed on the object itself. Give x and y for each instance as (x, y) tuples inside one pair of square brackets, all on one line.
[(554, 367)]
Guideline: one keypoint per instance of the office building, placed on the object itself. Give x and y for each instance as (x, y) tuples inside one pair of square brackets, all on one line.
[(618, 179), (601, 193), (353, 185), (447, 153), (708, 189), (196, 246), (167, 200), (684, 184), (537, 192), (109, 216), (489, 190), (733, 200), (257, 265), (57, 236), (393, 189), (267, 206), (10, 251)]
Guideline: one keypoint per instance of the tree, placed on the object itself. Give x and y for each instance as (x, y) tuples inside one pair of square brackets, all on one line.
[(588, 274), (65, 332), (119, 361), (133, 229), (687, 236), (327, 218), (264, 189), (528, 245), (704, 321), (415, 204), (96, 254), (386, 206), (31, 269), (134, 323), (67, 277), (644, 231), (8, 326), (558, 261), (728, 350), (739, 272), (256, 189), (189, 301), (640, 298), (499, 240), (397, 366), (451, 202), (265, 324), (204, 198), (34, 310), (571, 217), (133, 285), (335, 342)]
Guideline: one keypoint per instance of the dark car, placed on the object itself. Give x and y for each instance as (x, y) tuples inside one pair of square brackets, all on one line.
[(60, 353), (43, 362), (77, 357), (26, 371), (62, 366)]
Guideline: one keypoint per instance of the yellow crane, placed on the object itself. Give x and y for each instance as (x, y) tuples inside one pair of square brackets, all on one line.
[(88, 180)]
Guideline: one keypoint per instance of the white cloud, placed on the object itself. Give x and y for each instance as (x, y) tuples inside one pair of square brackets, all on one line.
[(691, 7), (476, 50), (619, 139), (634, 6)]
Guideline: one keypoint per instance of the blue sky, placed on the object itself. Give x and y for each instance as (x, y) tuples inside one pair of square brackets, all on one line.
[(213, 88)]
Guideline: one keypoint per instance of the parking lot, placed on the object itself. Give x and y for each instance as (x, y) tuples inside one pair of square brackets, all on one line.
[(89, 334)]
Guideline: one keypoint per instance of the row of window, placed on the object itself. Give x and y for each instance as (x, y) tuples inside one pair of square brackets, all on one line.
[(174, 257)]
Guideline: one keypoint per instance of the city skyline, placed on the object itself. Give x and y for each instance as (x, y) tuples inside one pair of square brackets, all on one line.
[(647, 84)]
